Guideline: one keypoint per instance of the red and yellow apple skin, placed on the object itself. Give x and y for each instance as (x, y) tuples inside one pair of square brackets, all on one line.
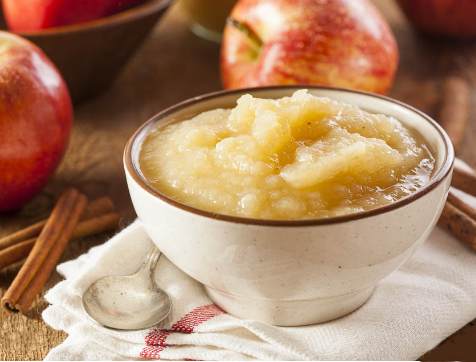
[(451, 18), (35, 120), (342, 43), (31, 15)]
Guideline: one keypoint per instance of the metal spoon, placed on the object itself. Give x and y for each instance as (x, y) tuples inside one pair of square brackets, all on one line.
[(128, 302)]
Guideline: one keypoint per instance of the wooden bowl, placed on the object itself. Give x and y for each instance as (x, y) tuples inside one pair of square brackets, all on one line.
[(90, 55)]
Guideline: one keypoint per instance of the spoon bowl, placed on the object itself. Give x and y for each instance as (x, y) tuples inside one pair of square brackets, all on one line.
[(128, 302)]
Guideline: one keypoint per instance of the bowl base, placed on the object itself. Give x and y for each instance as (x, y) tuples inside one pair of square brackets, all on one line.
[(290, 313)]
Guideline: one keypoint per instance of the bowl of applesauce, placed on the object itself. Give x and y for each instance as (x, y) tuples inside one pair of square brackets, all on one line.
[(289, 204)]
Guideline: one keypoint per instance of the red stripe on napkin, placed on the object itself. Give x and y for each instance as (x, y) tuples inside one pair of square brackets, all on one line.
[(155, 340)]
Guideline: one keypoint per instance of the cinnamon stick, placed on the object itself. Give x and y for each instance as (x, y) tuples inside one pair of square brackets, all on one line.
[(461, 205), (19, 236), (45, 252), (15, 252), (464, 181), (84, 228), (459, 224), (42, 276), (96, 207), (454, 109), (96, 225)]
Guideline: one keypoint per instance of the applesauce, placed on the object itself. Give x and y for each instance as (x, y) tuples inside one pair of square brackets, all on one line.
[(297, 157)]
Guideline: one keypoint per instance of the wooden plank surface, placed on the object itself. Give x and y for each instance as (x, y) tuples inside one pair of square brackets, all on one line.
[(173, 65)]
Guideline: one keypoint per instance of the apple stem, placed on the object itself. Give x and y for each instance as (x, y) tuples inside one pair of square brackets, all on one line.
[(255, 40)]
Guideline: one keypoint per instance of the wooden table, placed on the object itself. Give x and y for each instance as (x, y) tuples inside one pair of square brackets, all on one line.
[(173, 65)]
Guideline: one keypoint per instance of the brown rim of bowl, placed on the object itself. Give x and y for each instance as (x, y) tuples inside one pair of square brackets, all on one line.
[(136, 12), (142, 182)]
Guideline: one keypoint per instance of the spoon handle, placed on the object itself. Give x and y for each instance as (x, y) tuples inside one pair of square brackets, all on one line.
[(150, 262)]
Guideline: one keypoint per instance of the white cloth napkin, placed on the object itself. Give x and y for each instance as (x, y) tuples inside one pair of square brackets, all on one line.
[(411, 311)]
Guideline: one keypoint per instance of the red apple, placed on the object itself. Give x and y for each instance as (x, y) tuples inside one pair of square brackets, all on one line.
[(453, 18), (30, 15), (343, 43), (35, 120)]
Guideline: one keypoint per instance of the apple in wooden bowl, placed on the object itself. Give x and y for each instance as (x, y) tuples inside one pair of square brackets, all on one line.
[(448, 18), (90, 54), (25, 15)]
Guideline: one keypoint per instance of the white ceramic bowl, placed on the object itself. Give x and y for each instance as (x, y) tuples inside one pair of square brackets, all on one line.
[(291, 272)]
